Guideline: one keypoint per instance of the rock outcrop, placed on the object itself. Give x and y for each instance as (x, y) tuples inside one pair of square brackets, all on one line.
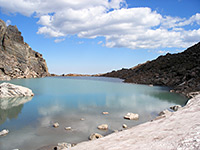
[(11, 90), (179, 71), (17, 59)]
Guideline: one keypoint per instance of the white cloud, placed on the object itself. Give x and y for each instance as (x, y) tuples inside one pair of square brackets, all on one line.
[(8, 22), (59, 40), (121, 26), (100, 42), (80, 42), (163, 52)]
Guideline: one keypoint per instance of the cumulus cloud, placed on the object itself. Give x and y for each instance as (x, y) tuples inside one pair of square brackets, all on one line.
[(121, 26)]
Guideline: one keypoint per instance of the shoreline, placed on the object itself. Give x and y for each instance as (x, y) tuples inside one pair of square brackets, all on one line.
[(176, 130)]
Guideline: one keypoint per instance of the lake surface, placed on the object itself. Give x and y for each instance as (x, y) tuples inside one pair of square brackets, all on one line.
[(68, 99)]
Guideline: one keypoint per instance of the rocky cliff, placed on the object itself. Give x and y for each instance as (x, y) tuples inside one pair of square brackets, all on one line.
[(179, 71), (17, 59)]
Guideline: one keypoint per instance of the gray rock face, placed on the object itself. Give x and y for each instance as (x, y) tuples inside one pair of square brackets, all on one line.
[(17, 59), (11, 90)]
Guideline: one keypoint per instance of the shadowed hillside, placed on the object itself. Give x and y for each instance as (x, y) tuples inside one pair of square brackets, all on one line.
[(180, 71)]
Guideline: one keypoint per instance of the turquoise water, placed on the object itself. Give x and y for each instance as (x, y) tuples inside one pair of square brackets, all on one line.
[(68, 99)]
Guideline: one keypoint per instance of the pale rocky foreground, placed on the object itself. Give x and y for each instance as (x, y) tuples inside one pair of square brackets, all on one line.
[(178, 130)]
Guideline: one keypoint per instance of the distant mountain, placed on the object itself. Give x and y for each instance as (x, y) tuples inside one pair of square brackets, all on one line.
[(17, 59), (179, 71)]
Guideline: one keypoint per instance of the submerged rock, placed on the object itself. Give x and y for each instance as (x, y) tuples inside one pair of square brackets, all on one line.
[(11, 90), (124, 126), (131, 116), (56, 125), (68, 128), (105, 113), (103, 127), (4, 132), (95, 136), (175, 108)]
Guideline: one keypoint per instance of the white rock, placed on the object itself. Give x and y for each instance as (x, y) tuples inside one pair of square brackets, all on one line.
[(95, 136), (131, 116), (105, 113), (11, 90), (176, 107), (63, 146), (124, 126), (4, 132), (68, 128), (82, 119), (103, 127), (56, 125)]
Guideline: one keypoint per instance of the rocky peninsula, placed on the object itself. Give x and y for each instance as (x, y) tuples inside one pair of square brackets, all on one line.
[(17, 59), (179, 71)]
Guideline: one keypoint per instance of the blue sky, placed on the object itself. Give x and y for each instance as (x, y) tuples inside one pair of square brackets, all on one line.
[(84, 36)]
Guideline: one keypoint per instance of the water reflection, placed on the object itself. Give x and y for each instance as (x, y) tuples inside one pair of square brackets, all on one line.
[(170, 97), (11, 107)]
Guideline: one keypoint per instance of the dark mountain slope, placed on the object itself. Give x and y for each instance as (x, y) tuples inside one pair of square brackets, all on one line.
[(180, 71)]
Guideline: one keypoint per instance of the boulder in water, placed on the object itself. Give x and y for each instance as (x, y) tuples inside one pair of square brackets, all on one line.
[(95, 136), (131, 116), (4, 132), (11, 90)]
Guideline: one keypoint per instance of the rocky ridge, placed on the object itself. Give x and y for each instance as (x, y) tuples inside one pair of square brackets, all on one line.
[(179, 71), (17, 59)]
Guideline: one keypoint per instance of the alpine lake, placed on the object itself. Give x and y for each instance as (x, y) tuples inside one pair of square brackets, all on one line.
[(77, 102)]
